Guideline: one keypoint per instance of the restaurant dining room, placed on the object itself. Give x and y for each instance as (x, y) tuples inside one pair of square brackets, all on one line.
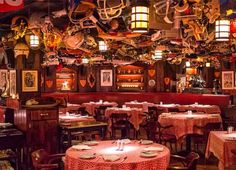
[(117, 84)]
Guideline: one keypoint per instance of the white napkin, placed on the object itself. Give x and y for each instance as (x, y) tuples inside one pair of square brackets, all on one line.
[(154, 148), (126, 141), (81, 147), (111, 158)]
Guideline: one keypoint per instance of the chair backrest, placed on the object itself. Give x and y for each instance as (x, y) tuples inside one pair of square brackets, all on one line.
[(212, 127), (154, 112), (100, 113), (192, 159), (82, 111), (173, 110), (39, 157), (118, 116)]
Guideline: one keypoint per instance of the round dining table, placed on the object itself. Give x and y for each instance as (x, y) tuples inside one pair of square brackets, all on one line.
[(184, 124), (130, 158)]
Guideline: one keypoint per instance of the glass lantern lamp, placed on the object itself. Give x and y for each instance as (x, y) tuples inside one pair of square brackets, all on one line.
[(102, 46), (157, 55), (222, 30), (34, 41), (140, 17)]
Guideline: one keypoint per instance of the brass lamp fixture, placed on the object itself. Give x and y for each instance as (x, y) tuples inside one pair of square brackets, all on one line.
[(222, 30), (140, 16)]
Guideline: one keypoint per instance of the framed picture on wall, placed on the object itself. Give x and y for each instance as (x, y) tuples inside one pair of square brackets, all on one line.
[(227, 79), (106, 77), (29, 81), (12, 78), (4, 82)]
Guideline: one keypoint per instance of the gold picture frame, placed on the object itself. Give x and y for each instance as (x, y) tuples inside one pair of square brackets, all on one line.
[(227, 79), (29, 80)]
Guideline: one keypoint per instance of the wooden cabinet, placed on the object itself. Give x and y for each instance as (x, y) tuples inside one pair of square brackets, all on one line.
[(130, 78), (41, 128)]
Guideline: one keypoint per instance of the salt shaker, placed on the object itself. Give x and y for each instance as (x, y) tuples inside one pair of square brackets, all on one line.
[(121, 145), (118, 143)]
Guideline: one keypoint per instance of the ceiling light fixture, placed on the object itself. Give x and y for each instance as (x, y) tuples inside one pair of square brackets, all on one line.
[(34, 41), (140, 16), (102, 45), (157, 55), (222, 30), (187, 64)]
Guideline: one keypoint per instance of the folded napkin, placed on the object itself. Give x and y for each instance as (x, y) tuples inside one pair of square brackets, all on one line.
[(81, 147), (126, 141), (111, 158), (154, 148)]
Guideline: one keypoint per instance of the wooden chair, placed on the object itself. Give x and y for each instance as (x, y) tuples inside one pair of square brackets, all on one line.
[(42, 160), (163, 137), (82, 111), (184, 163), (234, 151), (202, 138), (173, 109), (120, 121), (100, 113)]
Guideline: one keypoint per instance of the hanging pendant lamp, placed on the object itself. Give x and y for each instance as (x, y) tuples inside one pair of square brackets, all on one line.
[(140, 16)]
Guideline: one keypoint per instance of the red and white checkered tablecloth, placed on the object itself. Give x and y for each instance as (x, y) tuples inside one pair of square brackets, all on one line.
[(133, 161)]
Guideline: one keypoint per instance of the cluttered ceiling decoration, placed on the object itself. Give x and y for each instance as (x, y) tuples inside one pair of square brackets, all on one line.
[(72, 31)]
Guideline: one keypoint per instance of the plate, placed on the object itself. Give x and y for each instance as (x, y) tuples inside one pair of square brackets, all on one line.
[(88, 156), (111, 158), (153, 148), (146, 142), (148, 154), (231, 138), (91, 143)]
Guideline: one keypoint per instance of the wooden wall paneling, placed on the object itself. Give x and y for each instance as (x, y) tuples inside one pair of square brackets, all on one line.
[(49, 79), (92, 78), (151, 79), (82, 78), (160, 76)]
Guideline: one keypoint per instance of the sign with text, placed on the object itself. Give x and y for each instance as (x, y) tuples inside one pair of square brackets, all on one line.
[(11, 5)]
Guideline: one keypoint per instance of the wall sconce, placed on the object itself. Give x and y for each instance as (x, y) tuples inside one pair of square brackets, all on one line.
[(222, 30), (208, 64), (85, 61), (102, 46), (34, 41), (157, 55), (140, 17), (187, 64)]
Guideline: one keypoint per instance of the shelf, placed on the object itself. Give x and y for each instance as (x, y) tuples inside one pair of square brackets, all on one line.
[(129, 83), (130, 78), (130, 75)]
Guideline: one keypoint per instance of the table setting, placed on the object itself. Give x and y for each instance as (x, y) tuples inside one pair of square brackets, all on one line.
[(119, 154)]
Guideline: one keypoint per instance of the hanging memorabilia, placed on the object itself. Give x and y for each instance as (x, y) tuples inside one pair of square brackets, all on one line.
[(11, 5)]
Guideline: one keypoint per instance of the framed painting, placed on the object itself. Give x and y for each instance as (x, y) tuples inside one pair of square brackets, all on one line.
[(227, 79), (29, 80), (4, 82), (12, 78), (106, 77)]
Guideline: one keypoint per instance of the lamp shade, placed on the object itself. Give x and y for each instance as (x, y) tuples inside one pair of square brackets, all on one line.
[(157, 55), (102, 46), (140, 17), (187, 64), (34, 41), (222, 30)]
